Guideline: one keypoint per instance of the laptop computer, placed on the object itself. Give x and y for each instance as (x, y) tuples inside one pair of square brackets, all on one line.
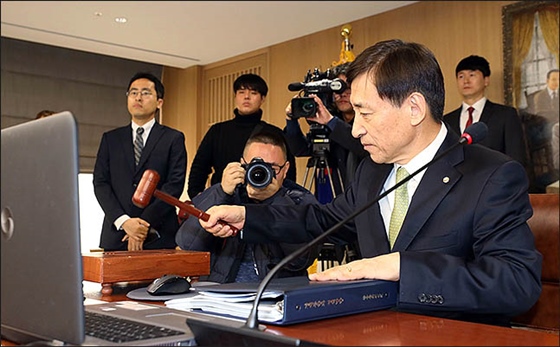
[(42, 294)]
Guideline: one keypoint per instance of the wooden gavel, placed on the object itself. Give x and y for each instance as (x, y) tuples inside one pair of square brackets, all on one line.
[(147, 188)]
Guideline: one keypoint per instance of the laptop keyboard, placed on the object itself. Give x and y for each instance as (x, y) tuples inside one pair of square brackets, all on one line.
[(120, 330)]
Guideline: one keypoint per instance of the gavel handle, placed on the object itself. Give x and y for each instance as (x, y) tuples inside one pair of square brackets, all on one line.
[(190, 209)]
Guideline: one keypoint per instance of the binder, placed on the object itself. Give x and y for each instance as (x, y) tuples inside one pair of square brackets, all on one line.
[(294, 299)]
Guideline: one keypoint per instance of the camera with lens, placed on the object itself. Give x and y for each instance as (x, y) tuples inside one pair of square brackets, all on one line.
[(317, 83), (303, 107), (258, 173)]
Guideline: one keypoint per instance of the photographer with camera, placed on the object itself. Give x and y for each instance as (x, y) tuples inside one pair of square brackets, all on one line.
[(329, 142), (259, 178), (331, 123)]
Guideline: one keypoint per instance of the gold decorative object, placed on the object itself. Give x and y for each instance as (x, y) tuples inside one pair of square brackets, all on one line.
[(346, 55)]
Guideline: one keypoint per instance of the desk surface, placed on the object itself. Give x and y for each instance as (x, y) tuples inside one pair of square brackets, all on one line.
[(385, 327), (390, 328)]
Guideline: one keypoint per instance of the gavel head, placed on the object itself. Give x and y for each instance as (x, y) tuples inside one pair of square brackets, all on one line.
[(146, 188)]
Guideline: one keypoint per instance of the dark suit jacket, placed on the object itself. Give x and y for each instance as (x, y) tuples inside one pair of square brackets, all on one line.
[(505, 131), (115, 178), (544, 107), (466, 249)]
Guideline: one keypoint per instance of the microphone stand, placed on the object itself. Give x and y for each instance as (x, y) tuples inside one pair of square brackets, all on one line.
[(467, 137)]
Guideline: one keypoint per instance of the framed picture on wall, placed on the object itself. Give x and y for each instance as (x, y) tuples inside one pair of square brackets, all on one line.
[(531, 46)]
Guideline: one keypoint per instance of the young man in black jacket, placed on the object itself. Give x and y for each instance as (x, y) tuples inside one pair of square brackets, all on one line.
[(224, 141)]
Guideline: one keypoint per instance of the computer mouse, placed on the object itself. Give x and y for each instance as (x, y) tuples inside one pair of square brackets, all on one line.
[(168, 285)]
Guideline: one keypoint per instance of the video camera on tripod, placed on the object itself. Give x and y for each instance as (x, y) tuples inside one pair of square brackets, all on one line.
[(318, 83), (322, 85)]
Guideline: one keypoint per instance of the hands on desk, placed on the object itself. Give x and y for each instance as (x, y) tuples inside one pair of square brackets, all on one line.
[(383, 267)]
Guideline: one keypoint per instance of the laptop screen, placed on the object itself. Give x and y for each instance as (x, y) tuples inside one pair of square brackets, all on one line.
[(42, 297)]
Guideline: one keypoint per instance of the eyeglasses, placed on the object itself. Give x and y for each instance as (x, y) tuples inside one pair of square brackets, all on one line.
[(135, 93), (277, 168)]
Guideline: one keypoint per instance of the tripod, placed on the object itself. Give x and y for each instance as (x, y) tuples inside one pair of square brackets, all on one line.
[(329, 253), (321, 169)]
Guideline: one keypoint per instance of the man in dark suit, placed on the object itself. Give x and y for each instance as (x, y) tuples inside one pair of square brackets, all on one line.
[(545, 102), (116, 173), (464, 250), (505, 131)]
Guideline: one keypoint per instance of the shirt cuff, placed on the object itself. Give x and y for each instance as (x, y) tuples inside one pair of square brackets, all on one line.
[(120, 221)]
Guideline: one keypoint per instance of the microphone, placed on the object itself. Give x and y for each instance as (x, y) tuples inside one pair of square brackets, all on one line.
[(147, 188), (473, 134), (336, 85)]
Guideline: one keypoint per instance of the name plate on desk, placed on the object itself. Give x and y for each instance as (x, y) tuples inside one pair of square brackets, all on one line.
[(127, 266)]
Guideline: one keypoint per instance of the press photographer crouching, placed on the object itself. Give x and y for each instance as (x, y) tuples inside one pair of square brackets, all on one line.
[(259, 178)]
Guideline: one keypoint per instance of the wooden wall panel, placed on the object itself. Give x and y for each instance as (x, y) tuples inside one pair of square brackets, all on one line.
[(180, 110)]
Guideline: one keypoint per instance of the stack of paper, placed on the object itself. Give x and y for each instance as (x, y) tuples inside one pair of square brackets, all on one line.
[(292, 299), (271, 308)]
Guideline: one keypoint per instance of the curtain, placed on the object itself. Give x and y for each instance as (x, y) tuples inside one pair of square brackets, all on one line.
[(522, 36), (549, 19)]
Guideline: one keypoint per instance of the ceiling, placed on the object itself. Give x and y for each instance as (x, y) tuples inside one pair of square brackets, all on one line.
[(178, 33)]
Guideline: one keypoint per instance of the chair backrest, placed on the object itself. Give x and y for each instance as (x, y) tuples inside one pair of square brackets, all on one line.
[(545, 224)]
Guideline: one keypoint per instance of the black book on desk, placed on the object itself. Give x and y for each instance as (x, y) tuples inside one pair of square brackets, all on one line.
[(295, 299)]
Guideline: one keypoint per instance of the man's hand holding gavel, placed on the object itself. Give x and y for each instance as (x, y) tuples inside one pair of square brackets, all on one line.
[(147, 188)]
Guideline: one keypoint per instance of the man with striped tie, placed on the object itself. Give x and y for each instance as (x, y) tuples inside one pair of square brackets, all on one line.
[(123, 156)]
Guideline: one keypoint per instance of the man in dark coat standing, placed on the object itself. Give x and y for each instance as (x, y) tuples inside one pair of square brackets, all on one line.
[(505, 132), (116, 173)]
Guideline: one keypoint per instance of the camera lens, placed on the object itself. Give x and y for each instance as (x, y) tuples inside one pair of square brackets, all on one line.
[(303, 107), (308, 107), (259, 174), (258, 177)]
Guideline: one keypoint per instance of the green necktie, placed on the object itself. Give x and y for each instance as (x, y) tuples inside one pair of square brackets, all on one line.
[(400, 207)]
